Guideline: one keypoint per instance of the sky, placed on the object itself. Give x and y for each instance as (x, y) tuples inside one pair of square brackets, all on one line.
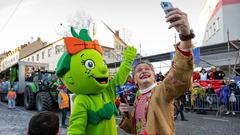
[(22, 21)]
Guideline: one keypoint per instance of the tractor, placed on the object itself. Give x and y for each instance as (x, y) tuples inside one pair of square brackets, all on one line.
[(41, 91)]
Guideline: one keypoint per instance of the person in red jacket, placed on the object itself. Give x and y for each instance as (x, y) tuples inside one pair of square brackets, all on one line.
[(117, 102), (196, 76), (211, 73)]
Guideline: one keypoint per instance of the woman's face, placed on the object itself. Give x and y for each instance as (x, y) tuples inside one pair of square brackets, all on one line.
[(144, 75)]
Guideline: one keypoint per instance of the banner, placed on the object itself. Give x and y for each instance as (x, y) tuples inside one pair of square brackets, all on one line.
[(216, 84), (196, 55)]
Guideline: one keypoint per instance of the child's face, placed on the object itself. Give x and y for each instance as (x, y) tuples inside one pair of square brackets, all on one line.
[(144, 74)]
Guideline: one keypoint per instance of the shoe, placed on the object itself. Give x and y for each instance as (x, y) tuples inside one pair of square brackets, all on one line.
[(64, 126), (227, 112), (184, 120), (233, 113), (175, 117)]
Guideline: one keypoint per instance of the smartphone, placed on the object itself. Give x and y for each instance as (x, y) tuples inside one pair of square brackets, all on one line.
[(166, 6)]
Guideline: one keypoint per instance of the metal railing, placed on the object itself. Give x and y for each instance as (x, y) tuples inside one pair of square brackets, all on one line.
[(212, 102)]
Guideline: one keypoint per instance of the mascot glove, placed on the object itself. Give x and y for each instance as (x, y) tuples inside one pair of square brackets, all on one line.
[(93, 117), (104, 113), (129, 54), (107, 111)]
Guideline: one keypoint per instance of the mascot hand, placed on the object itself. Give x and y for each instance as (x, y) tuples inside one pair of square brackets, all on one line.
[(93, 117), (104, 113), (107, 111), (129, 54)]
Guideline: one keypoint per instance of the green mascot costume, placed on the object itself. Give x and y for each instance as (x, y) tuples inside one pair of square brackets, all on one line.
[(84, 73)]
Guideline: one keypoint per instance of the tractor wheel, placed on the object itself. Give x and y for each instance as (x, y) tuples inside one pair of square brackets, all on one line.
[(43, 101), (19, 100), (29, 98)]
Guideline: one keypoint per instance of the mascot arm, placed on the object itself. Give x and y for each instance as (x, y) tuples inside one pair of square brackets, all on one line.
[(124, 70), (78, 120)]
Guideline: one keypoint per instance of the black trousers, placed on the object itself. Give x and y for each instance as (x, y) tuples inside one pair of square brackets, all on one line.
[(180, 110), (64, 115)]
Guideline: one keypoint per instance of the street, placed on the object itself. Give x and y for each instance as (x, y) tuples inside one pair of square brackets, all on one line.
[(15, 122)]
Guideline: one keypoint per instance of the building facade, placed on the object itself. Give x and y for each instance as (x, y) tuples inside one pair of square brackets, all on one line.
[(219, 18), (46, 54), (9, 58), (52, 52)]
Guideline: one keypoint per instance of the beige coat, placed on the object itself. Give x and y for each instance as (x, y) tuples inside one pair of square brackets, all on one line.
[(160, 119), (160, 115)]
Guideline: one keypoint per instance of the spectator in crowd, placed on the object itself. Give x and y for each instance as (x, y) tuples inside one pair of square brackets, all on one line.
[(200, 100), (203, 75), (219, 74), (63, 102), (161, 77), (117, 102), (232, 102), (233, 87), (223, 94), (120, 91), (211, 73), (232, 98), (11, 96), (210, 92), (194, 91), (157, 78), (44, 123), (180, 102), (196, 76)]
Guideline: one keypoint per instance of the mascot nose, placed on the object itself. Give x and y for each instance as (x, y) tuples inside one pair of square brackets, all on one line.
[(103, 69)]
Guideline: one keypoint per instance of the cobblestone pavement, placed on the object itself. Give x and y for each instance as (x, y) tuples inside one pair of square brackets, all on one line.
[(15, 122)]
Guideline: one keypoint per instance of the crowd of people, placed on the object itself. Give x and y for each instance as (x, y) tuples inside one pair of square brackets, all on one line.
[(205, 96), (215, 73)]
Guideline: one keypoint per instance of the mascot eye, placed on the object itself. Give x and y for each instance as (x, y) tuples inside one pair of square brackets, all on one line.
[(89, 64)]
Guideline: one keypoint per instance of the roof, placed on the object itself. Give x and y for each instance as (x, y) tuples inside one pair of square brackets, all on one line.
[(31, 48)]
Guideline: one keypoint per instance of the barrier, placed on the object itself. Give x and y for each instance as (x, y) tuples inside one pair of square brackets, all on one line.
[(212, 102)]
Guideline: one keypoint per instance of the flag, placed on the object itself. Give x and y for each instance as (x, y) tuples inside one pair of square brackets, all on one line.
[(172, 55), (196, 55), (134, 62)]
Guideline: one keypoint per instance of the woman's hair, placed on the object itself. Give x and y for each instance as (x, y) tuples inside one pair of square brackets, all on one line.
[(44, 123)]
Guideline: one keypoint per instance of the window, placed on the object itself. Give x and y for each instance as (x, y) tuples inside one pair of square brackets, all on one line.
[(28, 59), (217, 24), (49, 52), (43, 53), (207, 35), (37, 57), (214, 27), (210, 31), (57, 49), (32, 58)]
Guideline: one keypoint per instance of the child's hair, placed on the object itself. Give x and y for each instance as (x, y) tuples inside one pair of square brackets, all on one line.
[(44, 123)]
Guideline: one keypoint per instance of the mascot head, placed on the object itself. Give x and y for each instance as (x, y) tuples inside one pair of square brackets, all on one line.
[(82, 66)]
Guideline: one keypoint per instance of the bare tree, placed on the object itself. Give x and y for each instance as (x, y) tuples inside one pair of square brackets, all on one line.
[(79, 20)]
